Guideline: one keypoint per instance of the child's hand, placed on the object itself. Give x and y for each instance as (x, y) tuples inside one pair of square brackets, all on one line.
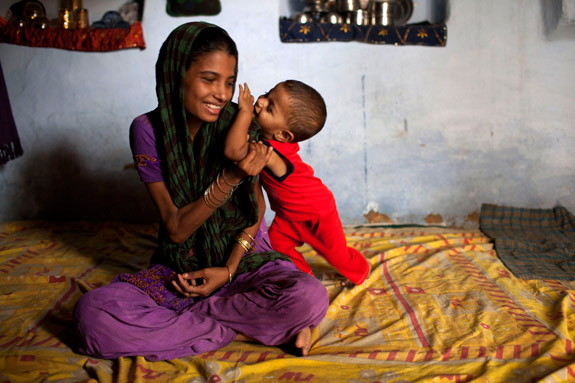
[(245, 99)]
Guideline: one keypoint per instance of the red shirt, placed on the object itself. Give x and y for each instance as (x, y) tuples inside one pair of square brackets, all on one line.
[(300, 195)]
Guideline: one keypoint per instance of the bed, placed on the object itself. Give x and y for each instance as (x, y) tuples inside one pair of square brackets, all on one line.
[(439, 306)]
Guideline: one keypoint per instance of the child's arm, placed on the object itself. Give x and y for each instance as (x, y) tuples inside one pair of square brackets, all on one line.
[(277, 165), (236, 141)]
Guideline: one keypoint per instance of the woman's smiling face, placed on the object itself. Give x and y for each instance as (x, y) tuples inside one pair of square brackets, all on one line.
[(208, 87)]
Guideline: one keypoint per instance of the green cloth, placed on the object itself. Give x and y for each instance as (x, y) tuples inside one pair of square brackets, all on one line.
[(532, 243), (191, 168)]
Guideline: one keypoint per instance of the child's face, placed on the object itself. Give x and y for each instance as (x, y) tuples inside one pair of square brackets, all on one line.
[(271, 112)]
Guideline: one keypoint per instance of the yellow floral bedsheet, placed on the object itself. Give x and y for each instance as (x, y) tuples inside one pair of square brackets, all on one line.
[(437, 307)]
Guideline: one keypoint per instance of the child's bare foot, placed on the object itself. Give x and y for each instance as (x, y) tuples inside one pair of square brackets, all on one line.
[(303, 341)]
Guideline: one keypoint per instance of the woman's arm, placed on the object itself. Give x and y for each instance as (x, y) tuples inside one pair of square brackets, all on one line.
[(238, 250), (180, 223), (183, 222), (213, 278)]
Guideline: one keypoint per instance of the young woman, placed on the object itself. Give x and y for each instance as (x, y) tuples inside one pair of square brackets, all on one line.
[(213, 279)]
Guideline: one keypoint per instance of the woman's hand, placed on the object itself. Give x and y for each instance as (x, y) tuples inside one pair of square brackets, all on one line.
[(256, 159), (201, 283)]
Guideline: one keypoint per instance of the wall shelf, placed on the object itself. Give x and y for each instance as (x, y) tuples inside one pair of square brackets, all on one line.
[(85, 40), (411, 34)]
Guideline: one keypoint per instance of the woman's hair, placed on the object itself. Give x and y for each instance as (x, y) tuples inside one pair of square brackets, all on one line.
[(307, 112), (209, 40)]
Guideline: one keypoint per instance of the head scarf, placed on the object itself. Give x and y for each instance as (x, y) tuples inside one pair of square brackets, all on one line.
[(190, 168)]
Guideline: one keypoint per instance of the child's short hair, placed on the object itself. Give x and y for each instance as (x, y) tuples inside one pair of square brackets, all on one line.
[(307, 112)]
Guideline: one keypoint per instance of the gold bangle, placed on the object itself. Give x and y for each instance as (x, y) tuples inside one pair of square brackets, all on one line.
[(245, 244), (252, 238), (229, 274)]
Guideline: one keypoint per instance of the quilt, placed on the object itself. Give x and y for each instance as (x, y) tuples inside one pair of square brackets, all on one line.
[(439, 306)]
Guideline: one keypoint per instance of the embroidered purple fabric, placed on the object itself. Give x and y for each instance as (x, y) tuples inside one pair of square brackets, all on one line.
[(156, 280)]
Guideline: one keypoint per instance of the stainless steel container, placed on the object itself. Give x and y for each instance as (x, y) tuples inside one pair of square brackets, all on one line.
[(331, 18), (343, 6), (382, 12), (303, 17), (357, 17), (315, 6)]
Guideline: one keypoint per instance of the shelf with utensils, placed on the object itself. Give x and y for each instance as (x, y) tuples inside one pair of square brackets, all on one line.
[(115, 30), (370, 21), (86, 39), (411, 34)]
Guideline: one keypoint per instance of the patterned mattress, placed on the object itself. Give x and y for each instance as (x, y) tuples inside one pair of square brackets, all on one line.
[(438, 306)]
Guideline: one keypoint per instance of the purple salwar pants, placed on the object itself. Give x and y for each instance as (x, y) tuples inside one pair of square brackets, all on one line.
[(271, 305)]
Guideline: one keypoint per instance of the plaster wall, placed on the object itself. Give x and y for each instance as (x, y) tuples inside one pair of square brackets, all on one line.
[(412, 132)]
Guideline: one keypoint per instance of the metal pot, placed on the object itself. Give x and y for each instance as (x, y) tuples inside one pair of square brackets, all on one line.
[(390, 12), (315, 6), (382, 12), (303, 17), (357, 17), (331, 18), (343, 6)]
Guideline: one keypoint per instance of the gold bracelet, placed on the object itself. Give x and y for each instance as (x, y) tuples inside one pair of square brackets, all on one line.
[(245, 244), (252, 238), (229, 274)]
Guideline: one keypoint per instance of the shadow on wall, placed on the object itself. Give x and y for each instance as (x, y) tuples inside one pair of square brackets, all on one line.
[(558, 19), (59, 187)]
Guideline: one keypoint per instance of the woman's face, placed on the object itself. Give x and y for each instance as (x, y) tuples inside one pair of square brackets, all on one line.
[(208, 87)]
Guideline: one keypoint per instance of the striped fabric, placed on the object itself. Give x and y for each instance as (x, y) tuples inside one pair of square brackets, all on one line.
[(532, 243), (437, 307)]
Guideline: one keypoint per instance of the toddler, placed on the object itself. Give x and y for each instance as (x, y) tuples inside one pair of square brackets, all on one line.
[(305, 209)]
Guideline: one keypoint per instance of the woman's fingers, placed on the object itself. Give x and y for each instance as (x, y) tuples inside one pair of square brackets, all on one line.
[(200, 283)]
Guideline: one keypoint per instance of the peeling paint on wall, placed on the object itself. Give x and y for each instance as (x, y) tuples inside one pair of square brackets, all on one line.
[(375, 217)]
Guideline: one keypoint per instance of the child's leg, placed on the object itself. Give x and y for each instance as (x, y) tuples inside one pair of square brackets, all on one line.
[(284, 238), (328, 240)]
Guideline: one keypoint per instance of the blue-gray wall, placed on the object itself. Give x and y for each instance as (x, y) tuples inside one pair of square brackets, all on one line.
[(412, 132)]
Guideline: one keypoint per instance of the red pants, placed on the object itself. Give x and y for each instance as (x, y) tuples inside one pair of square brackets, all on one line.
[(325, 235)]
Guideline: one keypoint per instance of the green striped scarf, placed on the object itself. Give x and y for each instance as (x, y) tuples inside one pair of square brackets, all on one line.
[(191, 168)]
